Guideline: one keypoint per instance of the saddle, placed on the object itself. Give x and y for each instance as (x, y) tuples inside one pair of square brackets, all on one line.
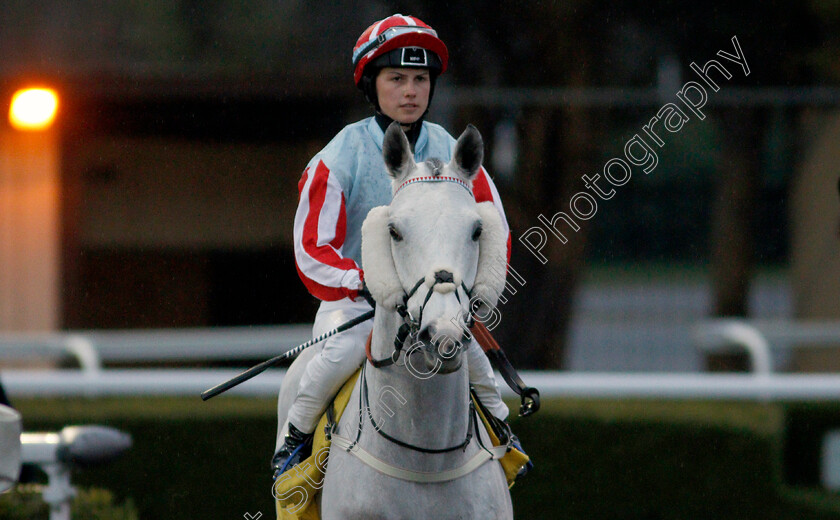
[(295, 490)]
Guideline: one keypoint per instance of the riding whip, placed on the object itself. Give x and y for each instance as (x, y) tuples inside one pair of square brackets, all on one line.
[(262, 367)]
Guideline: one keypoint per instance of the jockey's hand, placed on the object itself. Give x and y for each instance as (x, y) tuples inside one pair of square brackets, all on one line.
[(365, 293)]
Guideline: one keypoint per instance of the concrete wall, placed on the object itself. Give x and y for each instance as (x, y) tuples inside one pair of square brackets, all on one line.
[(29, 230)]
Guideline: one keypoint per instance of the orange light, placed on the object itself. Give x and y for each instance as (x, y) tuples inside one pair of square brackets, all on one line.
[(33, 109)]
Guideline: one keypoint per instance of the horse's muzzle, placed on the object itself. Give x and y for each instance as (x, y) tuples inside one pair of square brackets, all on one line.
[(442, 349)]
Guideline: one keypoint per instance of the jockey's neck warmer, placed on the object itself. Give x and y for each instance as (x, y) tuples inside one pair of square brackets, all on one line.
[(412, 133)]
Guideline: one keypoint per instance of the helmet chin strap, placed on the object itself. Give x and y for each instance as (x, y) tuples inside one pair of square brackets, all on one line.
[(368, 87), (412, 131)]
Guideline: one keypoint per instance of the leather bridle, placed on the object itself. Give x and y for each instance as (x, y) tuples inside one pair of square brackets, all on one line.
[(410, 328)]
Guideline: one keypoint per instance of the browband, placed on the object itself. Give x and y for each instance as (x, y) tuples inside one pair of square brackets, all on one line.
[(439, 178)]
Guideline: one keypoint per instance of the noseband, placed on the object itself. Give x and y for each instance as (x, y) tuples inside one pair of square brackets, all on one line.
[(410, 327)]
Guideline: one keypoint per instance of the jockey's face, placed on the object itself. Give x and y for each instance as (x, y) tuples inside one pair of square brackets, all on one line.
[(403, 93)]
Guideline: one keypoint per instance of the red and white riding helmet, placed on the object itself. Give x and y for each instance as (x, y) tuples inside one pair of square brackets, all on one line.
[(398, 32)]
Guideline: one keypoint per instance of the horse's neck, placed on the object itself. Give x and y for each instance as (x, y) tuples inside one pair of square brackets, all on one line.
[(431, 412)]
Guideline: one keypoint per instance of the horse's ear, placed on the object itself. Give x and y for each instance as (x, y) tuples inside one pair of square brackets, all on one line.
[(377, 261), (396, 151), (469, 152), (492, 257)]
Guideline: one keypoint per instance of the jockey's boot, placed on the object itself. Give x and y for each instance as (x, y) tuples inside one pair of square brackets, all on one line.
[(296, 447)]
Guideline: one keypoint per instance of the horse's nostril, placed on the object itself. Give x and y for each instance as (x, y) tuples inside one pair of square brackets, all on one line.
[(424, 335), (443, 276), (447, 348)]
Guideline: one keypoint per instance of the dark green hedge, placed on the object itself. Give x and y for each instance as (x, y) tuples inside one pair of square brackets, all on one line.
[(24, 502), (190, 459), (595, 459), (657, 470), (805, 426)]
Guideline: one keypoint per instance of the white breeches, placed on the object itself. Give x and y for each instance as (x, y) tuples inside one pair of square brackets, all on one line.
[(343, 354)]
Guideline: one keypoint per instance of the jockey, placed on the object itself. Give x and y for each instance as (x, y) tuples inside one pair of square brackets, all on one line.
[(396, 63)]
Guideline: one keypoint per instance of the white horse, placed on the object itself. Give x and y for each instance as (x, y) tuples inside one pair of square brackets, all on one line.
[(407, 445)]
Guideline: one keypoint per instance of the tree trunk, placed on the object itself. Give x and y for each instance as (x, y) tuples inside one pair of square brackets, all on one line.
[(732, 244), (561, 144)]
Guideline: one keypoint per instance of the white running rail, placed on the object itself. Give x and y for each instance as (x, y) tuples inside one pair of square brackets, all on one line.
[(638, 385), (755, 337), (92, 348), (29, 345), (758, 338)]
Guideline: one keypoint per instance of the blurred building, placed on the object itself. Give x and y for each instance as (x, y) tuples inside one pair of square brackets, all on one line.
[(182, 130)]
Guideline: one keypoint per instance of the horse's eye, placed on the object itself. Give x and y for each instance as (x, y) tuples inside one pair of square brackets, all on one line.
[(394, 233), (476, 233)]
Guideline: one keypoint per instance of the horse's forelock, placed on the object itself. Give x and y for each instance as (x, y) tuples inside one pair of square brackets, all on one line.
[(435, 166)]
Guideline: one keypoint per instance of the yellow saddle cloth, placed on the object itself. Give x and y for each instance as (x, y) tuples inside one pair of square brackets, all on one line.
[(296, 489)]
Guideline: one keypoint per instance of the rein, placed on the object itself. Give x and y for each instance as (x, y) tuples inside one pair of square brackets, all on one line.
[(353, 447), (364, 404)]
